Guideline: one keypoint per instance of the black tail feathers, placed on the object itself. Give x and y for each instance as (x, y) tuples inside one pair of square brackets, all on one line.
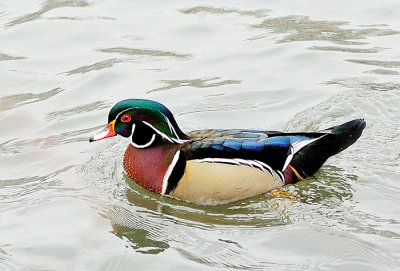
[(332, 141)]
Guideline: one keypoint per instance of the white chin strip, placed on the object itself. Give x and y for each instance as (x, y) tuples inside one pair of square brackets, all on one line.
[(145, 145), (141, 146)]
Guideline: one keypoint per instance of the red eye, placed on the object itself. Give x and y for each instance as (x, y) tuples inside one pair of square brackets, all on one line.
[(126, 118)]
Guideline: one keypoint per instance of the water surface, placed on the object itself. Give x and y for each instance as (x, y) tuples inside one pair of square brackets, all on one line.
[(66, 204)]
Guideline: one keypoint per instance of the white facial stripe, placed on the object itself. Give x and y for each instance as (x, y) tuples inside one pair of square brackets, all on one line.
[(148, 124), (164, 135), (169, 172), (145, 145), (123, 112), (180, 141), (158, 132), (172, 129), (133, 129), (141, 146)]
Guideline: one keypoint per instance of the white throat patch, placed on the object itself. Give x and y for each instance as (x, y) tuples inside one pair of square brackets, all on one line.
[(144, 145)]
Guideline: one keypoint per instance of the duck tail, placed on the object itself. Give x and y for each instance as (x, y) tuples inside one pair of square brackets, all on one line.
[(330, 142)]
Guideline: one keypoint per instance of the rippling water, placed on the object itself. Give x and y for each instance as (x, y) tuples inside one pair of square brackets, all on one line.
[(66, 204)]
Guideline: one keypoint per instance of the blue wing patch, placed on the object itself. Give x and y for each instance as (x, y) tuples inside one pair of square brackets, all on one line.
[(255, 146), (279, 141), (233, 144)]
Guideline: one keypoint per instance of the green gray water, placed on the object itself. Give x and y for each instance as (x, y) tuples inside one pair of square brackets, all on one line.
[(66, 204)]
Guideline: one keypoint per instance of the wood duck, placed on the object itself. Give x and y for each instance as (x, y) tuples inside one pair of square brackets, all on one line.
[(217, 166)]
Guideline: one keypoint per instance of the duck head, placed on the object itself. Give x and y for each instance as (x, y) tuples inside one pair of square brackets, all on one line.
[(146, 122)]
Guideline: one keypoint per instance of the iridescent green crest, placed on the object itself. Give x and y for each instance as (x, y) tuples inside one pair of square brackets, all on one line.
[(152, 113)]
